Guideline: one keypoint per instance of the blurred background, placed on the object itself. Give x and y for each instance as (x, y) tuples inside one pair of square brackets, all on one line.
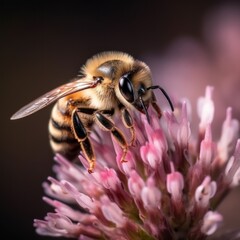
[(187, 44)]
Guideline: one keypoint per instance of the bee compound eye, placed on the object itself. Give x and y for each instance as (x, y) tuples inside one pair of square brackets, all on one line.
[(126, 88)]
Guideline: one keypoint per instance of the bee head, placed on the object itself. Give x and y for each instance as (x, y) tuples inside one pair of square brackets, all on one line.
[(134, 88)]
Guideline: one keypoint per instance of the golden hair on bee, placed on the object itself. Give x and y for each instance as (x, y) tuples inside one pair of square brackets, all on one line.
[(97, 60), (110, 83)]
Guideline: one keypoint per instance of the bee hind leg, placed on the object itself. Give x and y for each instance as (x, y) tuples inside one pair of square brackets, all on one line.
[(107, 124), (81, 135)]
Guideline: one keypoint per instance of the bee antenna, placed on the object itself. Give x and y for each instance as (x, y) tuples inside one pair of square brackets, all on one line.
[(164, 93), (144, 109)]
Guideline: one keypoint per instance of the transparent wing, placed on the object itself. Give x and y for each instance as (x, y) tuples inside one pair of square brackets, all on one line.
[(54, 95)]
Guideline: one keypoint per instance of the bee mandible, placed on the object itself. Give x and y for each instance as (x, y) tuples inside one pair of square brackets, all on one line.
[(109, 83)]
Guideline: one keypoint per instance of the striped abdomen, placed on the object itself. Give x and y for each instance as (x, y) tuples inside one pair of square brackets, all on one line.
[(61, 137)]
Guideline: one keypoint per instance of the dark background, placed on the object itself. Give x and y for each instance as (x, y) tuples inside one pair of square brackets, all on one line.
[(43, 44)]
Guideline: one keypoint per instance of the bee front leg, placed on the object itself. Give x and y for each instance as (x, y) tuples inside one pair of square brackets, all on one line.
[(81, 135), (128, 123), (155, 106), (107, 124)]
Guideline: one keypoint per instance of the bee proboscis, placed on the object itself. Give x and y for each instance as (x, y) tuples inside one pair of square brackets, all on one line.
[(110, 83)]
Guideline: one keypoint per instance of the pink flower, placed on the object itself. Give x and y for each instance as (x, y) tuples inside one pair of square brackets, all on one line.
[(206, 109), (169, 187)]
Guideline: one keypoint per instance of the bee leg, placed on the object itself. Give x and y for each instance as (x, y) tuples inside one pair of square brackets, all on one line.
[(107, 124), (155, 106), (128, 123), (81, 135)]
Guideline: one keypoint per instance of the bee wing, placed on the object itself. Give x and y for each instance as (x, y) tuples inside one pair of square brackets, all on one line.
[(52, 96)]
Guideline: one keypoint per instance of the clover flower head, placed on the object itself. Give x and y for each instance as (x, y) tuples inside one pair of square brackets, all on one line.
[(169, 187)]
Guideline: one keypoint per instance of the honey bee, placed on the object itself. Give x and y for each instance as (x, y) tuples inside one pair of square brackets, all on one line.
[(109, 83)]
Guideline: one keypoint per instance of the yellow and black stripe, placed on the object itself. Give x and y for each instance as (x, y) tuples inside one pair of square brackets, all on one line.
[(61, 137)]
